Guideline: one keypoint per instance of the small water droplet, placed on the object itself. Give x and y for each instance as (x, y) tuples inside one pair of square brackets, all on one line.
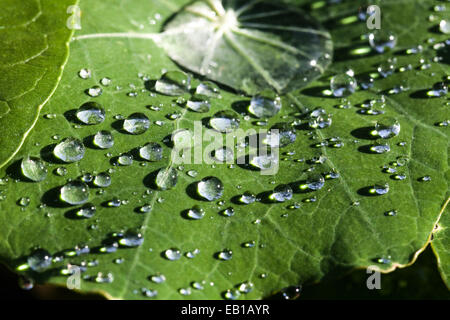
[(225, 255), (196, 213), (95, 91), (84, 73), (172, 254), (86, 211)]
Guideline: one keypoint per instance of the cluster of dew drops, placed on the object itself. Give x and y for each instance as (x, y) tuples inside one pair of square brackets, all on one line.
[(262, 106)]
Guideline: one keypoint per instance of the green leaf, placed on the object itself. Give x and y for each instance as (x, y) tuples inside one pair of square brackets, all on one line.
[(34, 39), (441, 245), (343, 228)]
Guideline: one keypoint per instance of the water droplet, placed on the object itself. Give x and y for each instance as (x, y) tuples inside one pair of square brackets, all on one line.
[(172, 254), (281, 135), (84, 73), (69, 150), (319, 119), (391, 213), (225, 255), (208, 89), (382, 40), (158, 278), (265, 105), (343, 85), (26, 283), (199, 104), (87, 211), (39, 260), (264, 162), (440, 89), (103, 139), (232, 294), (132, 239), (182, 139), (105, 81), (379, 189), (444, 26), (282, 193), (192, 173), (197, 285), (291, 293), (224, 155), (185, 291), (387, 68), (314, 182), (196, 213), (225, 121), (137, 123), (61, 171), (210, 188), (173, 83), (228, 212), (246, 287), (95, 91), (247, 198), (151, 151), (380, 148), (102, 180), (387, 128), (34, 169), (125, 160), (75, 193), (104, 278), (167, 178), (91, 113)]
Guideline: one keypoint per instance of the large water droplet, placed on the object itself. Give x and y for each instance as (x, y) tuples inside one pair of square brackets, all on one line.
[(151, 151), (343, 85), (265, 105), (173, 83), (225, 121), (91, 113), (69, 150), (75, 193), (137, 123), (210, 188), (34, 169), (382, 40), (102, 180), (103, 139), (167, 178)]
